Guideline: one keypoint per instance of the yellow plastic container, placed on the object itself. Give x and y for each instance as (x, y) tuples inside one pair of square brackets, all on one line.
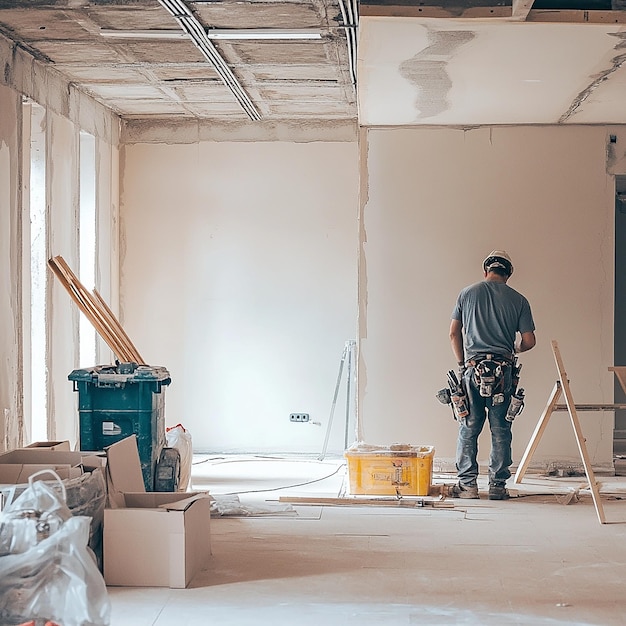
[(399, 469)]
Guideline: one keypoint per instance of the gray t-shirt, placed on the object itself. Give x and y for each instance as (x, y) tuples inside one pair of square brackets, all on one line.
[(491, 313)]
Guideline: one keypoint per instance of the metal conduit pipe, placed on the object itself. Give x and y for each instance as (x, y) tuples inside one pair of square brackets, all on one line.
[(195, 30), (350, 24), (198, 35)]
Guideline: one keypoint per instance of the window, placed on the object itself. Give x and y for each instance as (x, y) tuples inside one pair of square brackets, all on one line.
[(87, 241), (35, 248)]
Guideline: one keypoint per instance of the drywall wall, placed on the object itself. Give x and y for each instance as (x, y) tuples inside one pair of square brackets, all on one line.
[(67, 112), (238, 275), (435, 203), (11, 418)]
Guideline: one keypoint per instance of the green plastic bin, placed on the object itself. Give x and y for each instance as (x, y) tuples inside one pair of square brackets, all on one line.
[(116, 401)]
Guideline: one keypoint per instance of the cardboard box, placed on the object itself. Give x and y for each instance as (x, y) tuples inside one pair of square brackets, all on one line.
[(155, 539), (17, 466), (60, 446), (81, 474)]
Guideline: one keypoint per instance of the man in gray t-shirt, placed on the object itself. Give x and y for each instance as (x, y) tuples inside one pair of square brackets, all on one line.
[(485, 322)]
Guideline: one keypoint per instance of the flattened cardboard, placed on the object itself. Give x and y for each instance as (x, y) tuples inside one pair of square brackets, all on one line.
[(42, 457), (16, 466), (17, 474), (123, 472)]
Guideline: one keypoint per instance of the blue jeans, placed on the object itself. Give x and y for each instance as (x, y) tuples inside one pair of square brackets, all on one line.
[(471, 426)]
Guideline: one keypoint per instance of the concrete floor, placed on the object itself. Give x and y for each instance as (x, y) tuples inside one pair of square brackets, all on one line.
[(530, 560)]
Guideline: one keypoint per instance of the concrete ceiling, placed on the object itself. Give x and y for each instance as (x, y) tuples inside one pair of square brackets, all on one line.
[(173, 76), (399, 62)]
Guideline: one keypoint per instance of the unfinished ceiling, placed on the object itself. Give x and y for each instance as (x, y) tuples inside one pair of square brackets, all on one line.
[(163, 58), (377, 62)]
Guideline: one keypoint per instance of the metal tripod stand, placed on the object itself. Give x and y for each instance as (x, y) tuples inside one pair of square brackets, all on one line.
[(349, 354)]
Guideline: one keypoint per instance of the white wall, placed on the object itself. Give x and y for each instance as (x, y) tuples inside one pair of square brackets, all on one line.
[(238, 275), (11, 417), (240, 258), (435, 203)]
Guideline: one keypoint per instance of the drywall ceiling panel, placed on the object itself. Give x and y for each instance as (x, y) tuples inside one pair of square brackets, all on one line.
[(603, 101), (421, 71)]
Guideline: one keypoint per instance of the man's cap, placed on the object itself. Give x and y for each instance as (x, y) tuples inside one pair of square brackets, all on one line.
[(498, 259)]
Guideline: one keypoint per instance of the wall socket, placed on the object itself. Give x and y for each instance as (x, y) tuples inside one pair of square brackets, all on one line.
[(299, 417)]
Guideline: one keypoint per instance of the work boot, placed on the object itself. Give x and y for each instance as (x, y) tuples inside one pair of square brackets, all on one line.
[(498, 492), (461, 491)]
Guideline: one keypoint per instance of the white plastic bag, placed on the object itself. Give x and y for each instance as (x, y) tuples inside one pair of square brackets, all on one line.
[(47, 572), (178, 437)]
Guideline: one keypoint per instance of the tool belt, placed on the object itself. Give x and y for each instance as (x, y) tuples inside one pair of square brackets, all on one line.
[(497, 358), (489, 375)]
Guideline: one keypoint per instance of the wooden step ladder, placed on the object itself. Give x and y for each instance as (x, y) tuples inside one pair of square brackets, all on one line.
[(562, 387)]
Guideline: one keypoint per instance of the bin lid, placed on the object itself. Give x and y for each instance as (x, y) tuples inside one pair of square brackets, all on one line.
[(122, 373), (395, 450)]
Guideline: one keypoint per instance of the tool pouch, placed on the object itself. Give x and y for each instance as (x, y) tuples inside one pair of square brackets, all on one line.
[(489, 379), (516, 406), (459, 405)]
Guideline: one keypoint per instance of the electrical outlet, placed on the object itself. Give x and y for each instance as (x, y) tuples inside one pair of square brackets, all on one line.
[(299, 417)]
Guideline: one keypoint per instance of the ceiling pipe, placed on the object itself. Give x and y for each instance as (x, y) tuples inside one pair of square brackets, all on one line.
[(196, 31), (350, 16)]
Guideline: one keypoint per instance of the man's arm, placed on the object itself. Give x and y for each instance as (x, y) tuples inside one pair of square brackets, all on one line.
[(456, 340), (526, 342)]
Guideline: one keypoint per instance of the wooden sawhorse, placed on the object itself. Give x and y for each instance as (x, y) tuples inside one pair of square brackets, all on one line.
[(562, 386)]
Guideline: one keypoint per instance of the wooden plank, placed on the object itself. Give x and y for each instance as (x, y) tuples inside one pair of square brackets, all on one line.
[(421, 10), (521, 9), (620, 372), (137, 358), (591, 407), (79, 299), (414, 502), (96, 314), (101, 318), (576, 16)]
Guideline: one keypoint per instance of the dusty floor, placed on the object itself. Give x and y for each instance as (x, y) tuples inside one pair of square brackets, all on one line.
[(529, 560)]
